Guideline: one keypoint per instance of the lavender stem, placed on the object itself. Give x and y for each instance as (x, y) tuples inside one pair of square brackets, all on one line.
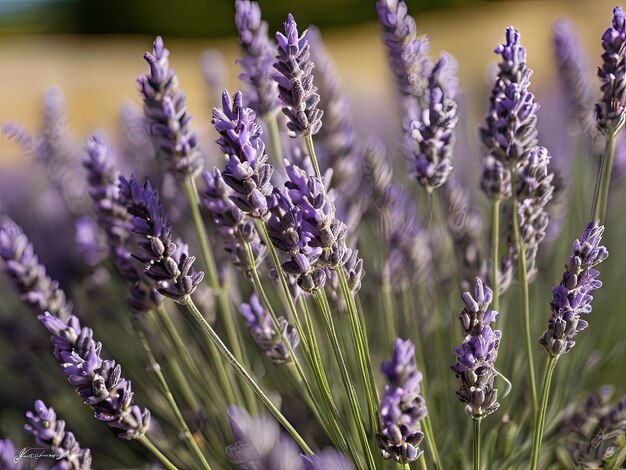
[(540, 415), (495, 253), (218, 290), (430, 438), (523, 279), (601, 193), (156, 452), (241, 371), (308, 138), (156, 368), (476, 453), (272, 126)]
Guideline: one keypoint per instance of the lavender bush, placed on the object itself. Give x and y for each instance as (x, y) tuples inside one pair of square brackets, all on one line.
[(252, 340)]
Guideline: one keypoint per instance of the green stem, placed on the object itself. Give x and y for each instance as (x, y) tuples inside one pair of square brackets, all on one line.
[(389, 313), (601, 192), (245, 376), (430, 438), (272, 126), (309, 145), (476, 453), (523, 279), (540, 414), (157, 453), (422, 462), (355, 408), (218, 290), (184, 429), (495, 254)]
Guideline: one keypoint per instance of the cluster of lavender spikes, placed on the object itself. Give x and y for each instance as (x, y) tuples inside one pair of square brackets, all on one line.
[(265, 335), (510, 127), (572, 297), (114, 220), (475, 357), (28, 275), (98, 382), (50, 432), (295, 81), (402, 406), (165, 108), (258, 443), (257, 60), (611, 109), (167, 264), (231, 224)]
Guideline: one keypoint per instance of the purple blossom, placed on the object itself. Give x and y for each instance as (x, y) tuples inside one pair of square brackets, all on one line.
[(430, 140), (572, 297), (257, 60), (476, 355), (90, 241), (510, 125), (401, 406), (165, 108), (98, 382), (327, 459), (247, 172), (265, 336), (611, 110), (7, 454), (408, 54), (115, 221), (28, 275), (50, 432), (231, 224), (164, 262), (295, 81), (213, 67)]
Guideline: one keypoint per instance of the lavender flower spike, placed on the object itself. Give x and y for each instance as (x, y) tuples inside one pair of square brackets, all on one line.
[(431, 137), (510, 125), (168, 265), (476, 355), (611, 109), (28, 275), (7, 455), (50, 432), (265, 336), (258, 58), (408, 54), (98, 382), (402, 406), (165, 108), (114, 219), (572, 297), (247, 172), (295, 81)]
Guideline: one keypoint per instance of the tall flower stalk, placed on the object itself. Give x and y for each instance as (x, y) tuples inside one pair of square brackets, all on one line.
[(570, 299)]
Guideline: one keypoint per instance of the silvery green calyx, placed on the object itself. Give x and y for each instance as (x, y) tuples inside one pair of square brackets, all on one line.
[(265, 336), (114, 220), (166, 263), (295, 81), (408, 54), (28, 275), (247, 171), (476, 355), (98, 381), (231, 223), (510, 125), (166, 110), (49, 431), (7, 455), (401, 406), (257, 59), (611, 109), (572, 297), (430, 137)]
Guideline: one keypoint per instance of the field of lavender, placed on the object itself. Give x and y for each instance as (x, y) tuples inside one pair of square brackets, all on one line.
[(299, 295)]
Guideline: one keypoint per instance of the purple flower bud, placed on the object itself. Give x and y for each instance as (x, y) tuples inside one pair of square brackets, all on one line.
[(295, 81), (166, 109), (50, 433), (7, 455), (98, 382), (571, 297)]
